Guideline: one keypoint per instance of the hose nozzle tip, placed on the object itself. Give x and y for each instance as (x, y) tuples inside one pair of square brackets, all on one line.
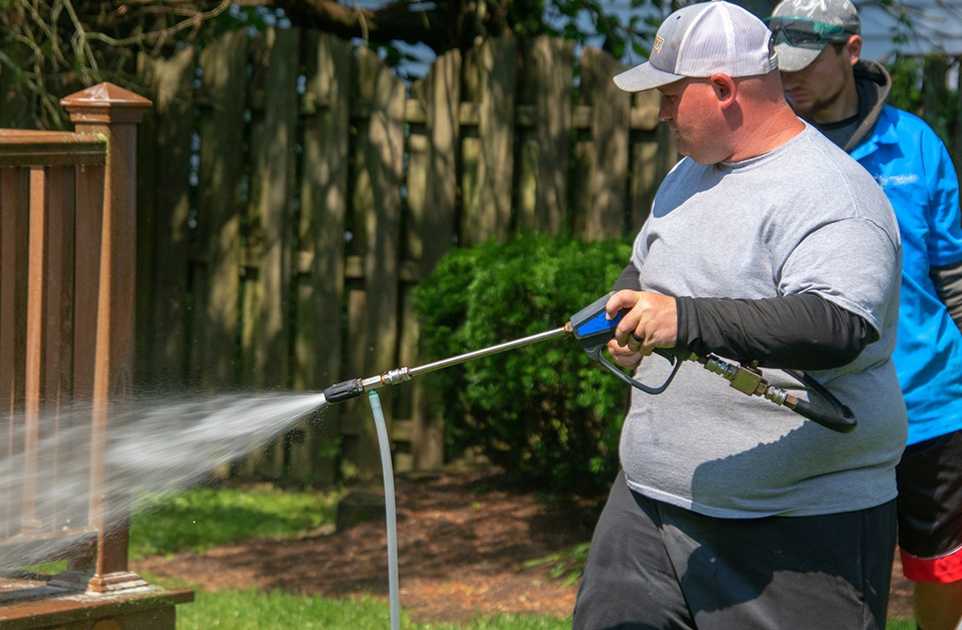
[(345, 390)]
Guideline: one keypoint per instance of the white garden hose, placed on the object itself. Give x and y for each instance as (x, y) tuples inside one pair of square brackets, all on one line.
[(387, 470)]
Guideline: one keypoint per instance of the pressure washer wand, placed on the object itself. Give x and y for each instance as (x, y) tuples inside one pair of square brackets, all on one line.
[(593, 328), (355, 387)]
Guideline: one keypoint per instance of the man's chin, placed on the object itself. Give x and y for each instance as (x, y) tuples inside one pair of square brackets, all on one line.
[(802, 107)]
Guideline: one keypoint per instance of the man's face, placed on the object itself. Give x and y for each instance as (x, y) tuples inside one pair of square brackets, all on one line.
[(690, 109), (818, 86)]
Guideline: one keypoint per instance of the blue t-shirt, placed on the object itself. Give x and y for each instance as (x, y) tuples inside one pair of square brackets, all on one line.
[(911, 165)]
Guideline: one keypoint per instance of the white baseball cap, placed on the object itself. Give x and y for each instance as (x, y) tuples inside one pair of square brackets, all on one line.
[(700, 40)]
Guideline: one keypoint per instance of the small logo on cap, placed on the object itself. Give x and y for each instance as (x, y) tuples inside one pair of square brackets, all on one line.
[(808, 7), (659, 41)]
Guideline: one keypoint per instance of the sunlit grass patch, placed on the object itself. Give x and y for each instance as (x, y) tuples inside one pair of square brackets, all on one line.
[(200, 518)]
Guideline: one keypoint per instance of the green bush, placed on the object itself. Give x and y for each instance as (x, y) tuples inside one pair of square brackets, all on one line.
[(546, 413)]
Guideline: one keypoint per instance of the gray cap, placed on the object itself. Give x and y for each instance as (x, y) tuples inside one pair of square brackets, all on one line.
[(700, 40), (802, 28)]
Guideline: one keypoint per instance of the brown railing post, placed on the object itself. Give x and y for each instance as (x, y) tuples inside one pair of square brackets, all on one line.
[(114, 113)]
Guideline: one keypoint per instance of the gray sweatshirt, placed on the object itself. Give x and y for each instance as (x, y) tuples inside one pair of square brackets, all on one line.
[(803, 218)]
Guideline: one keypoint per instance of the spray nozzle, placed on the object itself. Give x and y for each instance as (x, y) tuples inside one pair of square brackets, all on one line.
[(345, 390)]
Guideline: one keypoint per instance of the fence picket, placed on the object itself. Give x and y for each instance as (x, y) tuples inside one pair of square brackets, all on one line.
[(552, 66), (317, 348), (58, 306), (216, 272), (49, 321), (377, 208), (432, 200), (14, 196), (652, 155), (164, 160), (88, 237), (13, 256), (488, 213), (608, 151), (264, 342)]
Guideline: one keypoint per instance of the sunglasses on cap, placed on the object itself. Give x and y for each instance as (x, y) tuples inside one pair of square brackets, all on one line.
[(805, 33)]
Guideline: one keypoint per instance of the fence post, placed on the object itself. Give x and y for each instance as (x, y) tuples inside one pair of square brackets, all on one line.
[(114, 113)]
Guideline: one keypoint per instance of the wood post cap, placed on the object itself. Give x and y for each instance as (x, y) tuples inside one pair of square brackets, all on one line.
[(105, 103)]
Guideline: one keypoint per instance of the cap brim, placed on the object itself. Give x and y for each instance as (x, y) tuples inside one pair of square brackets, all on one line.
[(644, 77), (792, 59)]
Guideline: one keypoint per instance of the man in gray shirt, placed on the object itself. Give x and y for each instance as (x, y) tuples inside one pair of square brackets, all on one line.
[(766, 243)]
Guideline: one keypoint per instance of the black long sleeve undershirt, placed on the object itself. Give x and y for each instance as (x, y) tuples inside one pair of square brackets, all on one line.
[(801, 331), (628, 279)]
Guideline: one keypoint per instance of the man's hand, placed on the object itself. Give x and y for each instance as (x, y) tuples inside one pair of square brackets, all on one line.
[(651, 322), (624, 356)]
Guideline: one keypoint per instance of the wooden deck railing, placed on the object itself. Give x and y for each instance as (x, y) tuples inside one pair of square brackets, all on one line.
[(67, 266)]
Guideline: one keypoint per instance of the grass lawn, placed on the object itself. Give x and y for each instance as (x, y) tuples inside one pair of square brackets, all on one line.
[(253, 610), (201, 518)]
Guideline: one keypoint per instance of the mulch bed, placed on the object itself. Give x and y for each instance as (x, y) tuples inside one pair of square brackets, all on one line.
[(464, 540)]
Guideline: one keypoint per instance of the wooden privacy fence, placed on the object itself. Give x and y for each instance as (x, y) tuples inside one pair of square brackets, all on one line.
[(293, 190)]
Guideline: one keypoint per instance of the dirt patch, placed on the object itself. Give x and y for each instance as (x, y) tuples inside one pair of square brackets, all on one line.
[(464, 540)]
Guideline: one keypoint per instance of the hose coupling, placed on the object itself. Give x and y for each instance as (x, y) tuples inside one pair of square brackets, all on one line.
[(776, 394), (395, 376)]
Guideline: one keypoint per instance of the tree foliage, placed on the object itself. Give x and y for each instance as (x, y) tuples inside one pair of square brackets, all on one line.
[(49, 48)]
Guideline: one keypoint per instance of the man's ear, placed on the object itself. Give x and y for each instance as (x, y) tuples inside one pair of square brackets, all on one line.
[(853, 48), (725, 88)]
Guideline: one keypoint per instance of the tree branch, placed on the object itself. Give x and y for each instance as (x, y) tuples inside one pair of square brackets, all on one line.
[(405, 20)]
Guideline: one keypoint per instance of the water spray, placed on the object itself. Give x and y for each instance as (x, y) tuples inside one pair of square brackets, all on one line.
[(592, 328)]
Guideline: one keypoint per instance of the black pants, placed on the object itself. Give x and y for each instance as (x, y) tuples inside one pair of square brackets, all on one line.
[(653, 565)]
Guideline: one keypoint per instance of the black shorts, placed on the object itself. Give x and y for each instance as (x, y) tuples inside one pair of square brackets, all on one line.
[(654, 565), (930, 509)]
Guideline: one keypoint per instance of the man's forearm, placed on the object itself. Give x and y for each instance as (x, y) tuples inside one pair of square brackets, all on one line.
[(805, 331)]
